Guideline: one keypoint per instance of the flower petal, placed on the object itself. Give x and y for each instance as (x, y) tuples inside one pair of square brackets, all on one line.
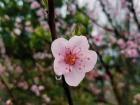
[(79, 42), (90, 60), (58, 47), (86, 61), (74, 77), (60, 67)]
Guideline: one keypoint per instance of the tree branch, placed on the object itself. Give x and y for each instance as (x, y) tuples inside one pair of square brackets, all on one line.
[(94, 21), (9, 91), (117, 96), (109, 18), (51, 16), (132, 10)]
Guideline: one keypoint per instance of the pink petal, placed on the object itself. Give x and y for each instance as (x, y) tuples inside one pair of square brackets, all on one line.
[(90, 60), (86, 61), (60, 67), (79, 42), (58, 47), (74, 78)]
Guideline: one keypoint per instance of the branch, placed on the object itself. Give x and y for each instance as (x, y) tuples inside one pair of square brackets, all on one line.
[(94, 21), (109, 17), (132, 10), (51, 16), (117, 96), (9, 90)]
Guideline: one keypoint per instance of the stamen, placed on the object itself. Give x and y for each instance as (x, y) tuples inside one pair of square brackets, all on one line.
[(70, 58)]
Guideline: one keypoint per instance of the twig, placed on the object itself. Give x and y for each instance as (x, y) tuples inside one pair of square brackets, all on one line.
[(117, 96), (94, 21), (109, 17), (132, 10), (51, 16), (9, 91)]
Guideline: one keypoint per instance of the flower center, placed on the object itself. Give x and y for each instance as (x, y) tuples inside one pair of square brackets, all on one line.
[(70, 59)]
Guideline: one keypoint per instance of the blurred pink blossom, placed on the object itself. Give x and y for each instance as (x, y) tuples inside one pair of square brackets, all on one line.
[(18, 69), (131, 44), (130, 53), (9, 102), (44, 24), (17, 31), (123, 3), (35, 5), (95, 90), (41, 87), (92, 74), (112, 39), (40, 12), (98, 39), (121, 43), (29, 29), (18, 19), (136, 99), (37, 89), (46, 98), (73, 59), (23, 85)]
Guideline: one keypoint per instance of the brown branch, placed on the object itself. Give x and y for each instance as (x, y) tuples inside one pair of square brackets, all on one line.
[(94, 21), (109, 18), (9, 90), (132, 10), (51, 16), (108, 72)]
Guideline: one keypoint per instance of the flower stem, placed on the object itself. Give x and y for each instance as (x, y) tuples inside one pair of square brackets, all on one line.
[(51, 16), (67, 91)]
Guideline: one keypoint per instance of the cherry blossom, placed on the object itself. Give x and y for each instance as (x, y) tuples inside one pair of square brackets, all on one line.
[(35, 5), (73, 58), (121, 43)]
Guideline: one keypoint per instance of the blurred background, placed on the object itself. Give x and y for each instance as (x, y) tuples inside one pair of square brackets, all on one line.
[(113, 30)]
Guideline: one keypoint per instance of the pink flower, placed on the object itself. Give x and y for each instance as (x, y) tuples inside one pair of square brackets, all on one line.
[(92, 75), (131, 44), (133, 53), (98, 39), (73, 59), (23, 85), (17, 31), (35, 5), (112, 39), (35, 89), (123, 3), (40, 12), (121, 43)]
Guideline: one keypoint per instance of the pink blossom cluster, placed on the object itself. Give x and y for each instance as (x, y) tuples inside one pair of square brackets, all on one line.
[(41, 13), (98, 39), (128, 48), (97, 35), (35, 5), (37, 89), (18, 26), (95, 74), (28, 27), (23, 85)]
